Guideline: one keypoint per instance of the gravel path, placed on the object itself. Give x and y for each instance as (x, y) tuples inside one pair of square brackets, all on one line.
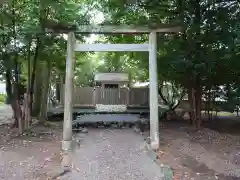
[(112, 154)]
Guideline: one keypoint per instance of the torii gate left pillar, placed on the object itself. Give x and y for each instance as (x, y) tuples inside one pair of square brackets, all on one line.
[(67, 124)]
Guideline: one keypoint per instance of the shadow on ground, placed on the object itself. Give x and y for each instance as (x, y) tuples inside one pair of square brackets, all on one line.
[(205, 154), (34, 155), (225, 124)]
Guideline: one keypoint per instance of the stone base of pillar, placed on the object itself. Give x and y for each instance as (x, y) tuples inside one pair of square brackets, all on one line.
[(154, 145), (67, 161), (67, 145)]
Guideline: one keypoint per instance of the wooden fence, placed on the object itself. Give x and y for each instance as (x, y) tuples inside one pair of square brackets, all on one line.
[(90, 96)]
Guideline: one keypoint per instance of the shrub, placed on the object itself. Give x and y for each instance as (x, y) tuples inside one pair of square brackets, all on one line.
[(2, 98)]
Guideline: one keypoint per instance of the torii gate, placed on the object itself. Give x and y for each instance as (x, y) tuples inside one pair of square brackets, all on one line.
[(150, 47)]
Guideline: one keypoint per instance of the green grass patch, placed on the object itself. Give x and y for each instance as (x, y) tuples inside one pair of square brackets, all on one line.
[(221, 113), (2, 98)]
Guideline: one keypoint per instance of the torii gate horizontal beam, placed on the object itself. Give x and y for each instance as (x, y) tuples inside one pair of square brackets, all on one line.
[(111, 47)]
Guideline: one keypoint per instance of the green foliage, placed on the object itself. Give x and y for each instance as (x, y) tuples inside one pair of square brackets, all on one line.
[(207, 46), (206, 52), (22, 20), (2, 98)]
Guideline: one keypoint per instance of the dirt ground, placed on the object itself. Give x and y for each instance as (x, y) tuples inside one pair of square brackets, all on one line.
[(206, 154), (201, 155), (33, 156)]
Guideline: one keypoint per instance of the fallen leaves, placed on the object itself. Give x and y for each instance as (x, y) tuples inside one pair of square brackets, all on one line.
[(160, 153)]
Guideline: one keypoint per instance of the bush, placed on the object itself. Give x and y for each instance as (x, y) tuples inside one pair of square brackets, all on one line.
[(2, 98)]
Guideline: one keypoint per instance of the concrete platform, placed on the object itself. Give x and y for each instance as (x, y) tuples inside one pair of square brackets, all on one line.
[(91, 110), (107, 118)]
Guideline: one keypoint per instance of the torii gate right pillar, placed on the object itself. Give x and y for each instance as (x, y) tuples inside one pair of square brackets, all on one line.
[(153, 86)]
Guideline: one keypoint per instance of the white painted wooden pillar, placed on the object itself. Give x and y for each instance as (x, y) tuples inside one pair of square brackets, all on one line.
[(153, 101), (70, 63)]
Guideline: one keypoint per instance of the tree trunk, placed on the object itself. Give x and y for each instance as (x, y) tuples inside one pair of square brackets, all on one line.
[(9, 92), (17, 108), (165, 101), (198, 102), (191, 102), (16, 100), (46, 73), (58, 91), (28, 102), (197, 56), (61, 89), (33, 76), (44, 11), (209, 105), (39, 81)]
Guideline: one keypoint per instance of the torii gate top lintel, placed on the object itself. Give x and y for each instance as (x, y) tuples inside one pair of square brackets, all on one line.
[(119, 29)]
